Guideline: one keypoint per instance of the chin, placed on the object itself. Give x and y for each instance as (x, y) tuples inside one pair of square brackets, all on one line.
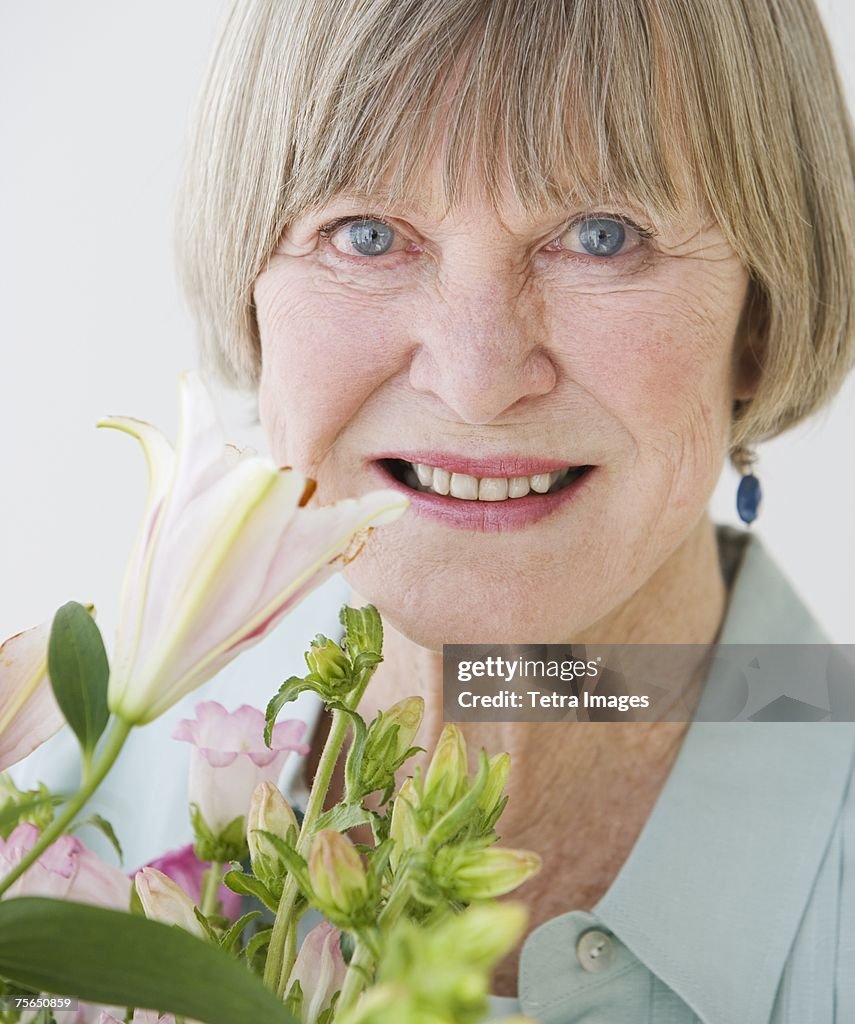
[(432, 608)]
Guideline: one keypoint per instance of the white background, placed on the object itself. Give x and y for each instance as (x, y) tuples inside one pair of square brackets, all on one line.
[(96, 100)]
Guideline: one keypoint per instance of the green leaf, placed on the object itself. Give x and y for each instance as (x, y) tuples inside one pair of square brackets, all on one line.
[(363, 631), (78, 669), (288, 691), (256, 943), (344, 816), (104, 826), (294, 863), (104, 956), (229, 940), (206, 926), (247, 885)]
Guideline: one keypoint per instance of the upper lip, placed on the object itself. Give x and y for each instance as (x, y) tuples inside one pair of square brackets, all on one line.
[(509, 465)]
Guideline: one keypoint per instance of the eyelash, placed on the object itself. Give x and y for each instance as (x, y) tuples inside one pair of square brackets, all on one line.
[(645, 234)]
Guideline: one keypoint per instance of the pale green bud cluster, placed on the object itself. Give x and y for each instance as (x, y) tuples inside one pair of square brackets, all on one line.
[(420, 983), (447, 805), (388, 745), (473, 871), (330, 666), (34, 806)]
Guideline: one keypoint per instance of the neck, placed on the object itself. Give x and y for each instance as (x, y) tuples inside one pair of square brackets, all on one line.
[(683, 602)]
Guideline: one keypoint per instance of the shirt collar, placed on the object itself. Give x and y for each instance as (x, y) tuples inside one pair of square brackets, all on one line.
[(711, 895)]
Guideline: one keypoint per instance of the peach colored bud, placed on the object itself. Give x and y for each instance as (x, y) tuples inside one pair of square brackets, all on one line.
[(336, 873)]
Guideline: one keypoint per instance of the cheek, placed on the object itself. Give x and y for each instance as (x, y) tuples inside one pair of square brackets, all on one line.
[(323, 354), (659, 364)]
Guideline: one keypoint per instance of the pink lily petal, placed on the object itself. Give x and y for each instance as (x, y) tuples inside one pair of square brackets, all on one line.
[(225, 551), (29, 713), (66, 870)]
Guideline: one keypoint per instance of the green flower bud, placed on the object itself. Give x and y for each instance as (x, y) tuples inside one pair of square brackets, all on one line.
[(419, 982), (270, 812), (330, 664), (473, 872), (337, 874), (403, 827), (488, 932), (448, 773), (494, 791), (390, 737)]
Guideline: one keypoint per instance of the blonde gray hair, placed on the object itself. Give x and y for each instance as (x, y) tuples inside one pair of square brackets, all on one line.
[(581, 99)]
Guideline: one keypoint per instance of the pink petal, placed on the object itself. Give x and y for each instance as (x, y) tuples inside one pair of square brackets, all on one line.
[(185, 868), (29, 713), (99, 883), (287, 735)]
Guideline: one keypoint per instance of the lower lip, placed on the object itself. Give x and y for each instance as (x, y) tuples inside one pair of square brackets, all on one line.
[(487, 516)]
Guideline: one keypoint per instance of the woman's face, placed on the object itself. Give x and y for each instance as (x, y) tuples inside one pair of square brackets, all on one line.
[(503, 348)]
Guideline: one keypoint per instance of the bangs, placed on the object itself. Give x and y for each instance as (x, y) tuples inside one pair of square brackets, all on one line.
[(559, 103), (728, 108)]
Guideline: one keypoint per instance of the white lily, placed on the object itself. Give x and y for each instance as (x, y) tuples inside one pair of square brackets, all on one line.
[(226, 549), (29, 713)]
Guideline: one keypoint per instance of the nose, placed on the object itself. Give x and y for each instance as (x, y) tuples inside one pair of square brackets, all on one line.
[(484, 353)]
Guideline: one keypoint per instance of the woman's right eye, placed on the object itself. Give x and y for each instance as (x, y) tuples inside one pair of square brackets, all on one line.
[(361, 236)]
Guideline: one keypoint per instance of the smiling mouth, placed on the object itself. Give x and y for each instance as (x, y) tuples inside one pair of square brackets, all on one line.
[(435, 480)]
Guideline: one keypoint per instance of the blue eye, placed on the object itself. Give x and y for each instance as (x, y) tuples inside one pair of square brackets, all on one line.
[(370, 237), (601, 236)]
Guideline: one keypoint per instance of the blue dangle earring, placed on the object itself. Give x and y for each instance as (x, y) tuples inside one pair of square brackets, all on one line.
[(748, 494)]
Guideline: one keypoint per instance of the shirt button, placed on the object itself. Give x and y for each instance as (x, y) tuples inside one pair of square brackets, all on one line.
[(594, 951)]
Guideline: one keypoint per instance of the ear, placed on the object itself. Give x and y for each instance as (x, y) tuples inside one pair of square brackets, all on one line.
[(750, 344)]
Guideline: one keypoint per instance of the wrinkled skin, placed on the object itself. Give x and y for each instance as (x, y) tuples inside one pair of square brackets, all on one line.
[(481, 335)]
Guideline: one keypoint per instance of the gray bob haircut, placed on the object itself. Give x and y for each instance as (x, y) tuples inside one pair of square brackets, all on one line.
[(732, 104)]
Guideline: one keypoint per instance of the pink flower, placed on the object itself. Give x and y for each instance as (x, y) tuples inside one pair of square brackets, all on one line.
[(226, 548), (29, 713), (230, 759), (165, 901), (320, 969), (66, 870), (185, 868)]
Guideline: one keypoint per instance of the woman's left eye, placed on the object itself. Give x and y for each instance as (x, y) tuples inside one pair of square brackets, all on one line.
[(361, 236), (602, 237)]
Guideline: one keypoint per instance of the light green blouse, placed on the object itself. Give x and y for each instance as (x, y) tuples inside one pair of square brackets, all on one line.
[(737, 903)]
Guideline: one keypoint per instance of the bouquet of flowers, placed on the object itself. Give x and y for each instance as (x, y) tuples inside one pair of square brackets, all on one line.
[(218, 933)]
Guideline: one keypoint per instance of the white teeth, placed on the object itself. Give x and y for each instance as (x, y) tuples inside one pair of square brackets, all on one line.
[(493, 488), (441, 481), (463, 486), (471, 488)]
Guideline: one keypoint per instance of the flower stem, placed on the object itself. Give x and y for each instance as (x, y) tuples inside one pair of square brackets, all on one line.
[(278, 965), (93, 778), (362, 959), (354, 980), (213, 877)]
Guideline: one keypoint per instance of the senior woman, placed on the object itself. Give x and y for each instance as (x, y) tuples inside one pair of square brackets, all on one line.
[(543, 265)]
